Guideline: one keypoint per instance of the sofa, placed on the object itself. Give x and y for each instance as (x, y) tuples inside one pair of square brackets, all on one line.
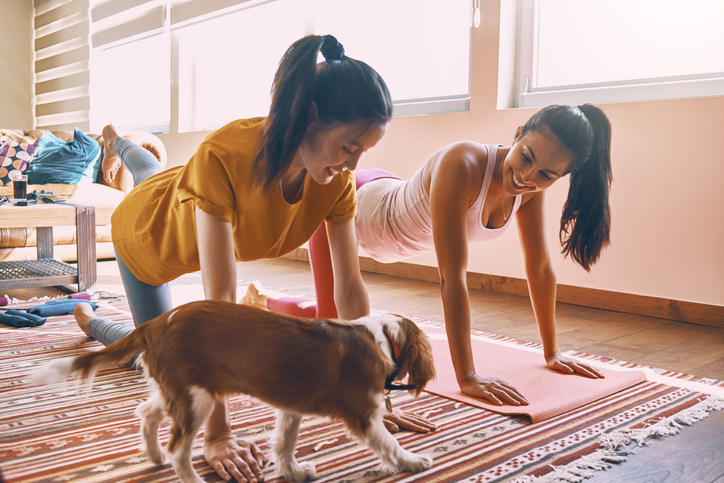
[(20, 243)]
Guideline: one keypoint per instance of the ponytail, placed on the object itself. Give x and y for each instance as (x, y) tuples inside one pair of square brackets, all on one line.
[(586, 219), (344, 90), (585, 132)]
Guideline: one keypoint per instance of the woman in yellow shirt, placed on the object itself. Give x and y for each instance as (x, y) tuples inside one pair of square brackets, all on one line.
[(256, 188)]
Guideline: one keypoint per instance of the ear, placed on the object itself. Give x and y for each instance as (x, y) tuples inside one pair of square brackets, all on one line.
[(417, 357), (517, 134)]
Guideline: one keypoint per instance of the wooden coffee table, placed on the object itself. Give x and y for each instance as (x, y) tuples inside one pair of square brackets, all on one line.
[(46, 270)]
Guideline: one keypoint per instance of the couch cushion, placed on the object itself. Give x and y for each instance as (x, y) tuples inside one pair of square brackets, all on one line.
[(14, 159), (95, 194), (65, 162)]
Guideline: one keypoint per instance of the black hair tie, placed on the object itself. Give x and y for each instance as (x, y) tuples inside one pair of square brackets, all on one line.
[(331, 49)]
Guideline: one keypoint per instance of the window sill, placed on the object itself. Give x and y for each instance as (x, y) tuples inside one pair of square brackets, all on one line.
[(628, 93), (436, 106)]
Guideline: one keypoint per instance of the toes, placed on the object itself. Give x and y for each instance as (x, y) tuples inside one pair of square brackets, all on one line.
[(110, 167)]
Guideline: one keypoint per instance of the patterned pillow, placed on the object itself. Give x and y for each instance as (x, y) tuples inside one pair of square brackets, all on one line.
[(14, 159)]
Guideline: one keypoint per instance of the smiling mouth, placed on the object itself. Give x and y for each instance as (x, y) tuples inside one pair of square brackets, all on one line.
[(517, 184)]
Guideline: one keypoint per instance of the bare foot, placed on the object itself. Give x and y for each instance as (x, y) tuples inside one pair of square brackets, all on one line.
[(111, 162), (83, 313), (255, 297)]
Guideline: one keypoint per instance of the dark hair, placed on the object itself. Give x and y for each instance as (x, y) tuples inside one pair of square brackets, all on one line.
[(585, 132), (344, 90)]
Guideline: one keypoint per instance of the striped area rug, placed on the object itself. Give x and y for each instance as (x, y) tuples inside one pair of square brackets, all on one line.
[(52, 435)]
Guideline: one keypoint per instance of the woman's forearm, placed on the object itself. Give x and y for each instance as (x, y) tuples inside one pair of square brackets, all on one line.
[(352, 300), (350, 293), (542, 288), (219, 420), (456, 311), (216, 257)]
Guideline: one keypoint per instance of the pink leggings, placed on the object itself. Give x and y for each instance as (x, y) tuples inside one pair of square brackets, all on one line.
[(320, 261)]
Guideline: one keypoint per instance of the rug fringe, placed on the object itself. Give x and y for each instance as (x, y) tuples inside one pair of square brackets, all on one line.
[(614, 445)]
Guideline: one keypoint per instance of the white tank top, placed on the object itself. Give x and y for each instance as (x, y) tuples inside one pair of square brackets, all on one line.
[(394, 223)]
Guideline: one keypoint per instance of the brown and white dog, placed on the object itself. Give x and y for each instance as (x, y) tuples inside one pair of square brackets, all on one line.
[(200, 352)]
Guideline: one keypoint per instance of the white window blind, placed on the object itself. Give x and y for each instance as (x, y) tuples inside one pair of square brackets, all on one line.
[(130, 85), (420, 47), (228, 51), (130, 65), (576, 51), (61, 64), (183, 11), (227, 63)]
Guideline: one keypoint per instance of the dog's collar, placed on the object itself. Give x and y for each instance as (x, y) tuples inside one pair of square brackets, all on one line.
[(395, 353)]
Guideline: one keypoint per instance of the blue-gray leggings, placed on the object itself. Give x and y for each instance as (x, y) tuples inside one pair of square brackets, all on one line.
[(146, 301)]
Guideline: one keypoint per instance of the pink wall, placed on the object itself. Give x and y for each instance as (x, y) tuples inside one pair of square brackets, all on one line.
[(668, 163)]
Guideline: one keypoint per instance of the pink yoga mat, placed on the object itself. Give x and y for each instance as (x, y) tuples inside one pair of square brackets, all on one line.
[(550, 393)]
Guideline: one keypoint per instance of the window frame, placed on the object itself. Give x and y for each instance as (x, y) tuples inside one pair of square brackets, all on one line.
[(527, 95)]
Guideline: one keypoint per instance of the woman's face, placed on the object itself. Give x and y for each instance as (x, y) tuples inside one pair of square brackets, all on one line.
[(327, 152), (535, 161)]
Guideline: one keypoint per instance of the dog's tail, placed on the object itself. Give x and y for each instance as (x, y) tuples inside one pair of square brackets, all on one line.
[(85, 366)]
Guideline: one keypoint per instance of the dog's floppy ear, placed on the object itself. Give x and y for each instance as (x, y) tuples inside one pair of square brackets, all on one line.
[(416, 358)]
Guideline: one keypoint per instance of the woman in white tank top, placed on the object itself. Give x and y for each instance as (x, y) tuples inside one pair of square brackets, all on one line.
[(470, 192)]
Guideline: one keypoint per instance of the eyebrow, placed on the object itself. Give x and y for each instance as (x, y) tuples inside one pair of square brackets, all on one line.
[(532, 155)]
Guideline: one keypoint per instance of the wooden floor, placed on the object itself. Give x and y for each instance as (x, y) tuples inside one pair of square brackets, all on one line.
[(696, 455)]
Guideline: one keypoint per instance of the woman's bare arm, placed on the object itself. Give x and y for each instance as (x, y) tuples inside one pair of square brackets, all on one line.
[(350, 293), (542, 285), (216, 256), (452, 187)]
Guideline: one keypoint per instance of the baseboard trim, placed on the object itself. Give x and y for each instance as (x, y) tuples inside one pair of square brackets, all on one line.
[(677, 310)]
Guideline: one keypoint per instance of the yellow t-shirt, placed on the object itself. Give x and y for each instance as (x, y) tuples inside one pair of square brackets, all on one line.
[(154, 227)]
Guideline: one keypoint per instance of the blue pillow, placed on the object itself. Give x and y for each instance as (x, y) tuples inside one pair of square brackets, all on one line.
[(64, 162), (48, 140)]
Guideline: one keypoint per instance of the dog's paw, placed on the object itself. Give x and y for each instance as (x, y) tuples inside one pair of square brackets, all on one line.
[(156, 456), (424, 462), (411, 462), (298, 472), (159, 459)]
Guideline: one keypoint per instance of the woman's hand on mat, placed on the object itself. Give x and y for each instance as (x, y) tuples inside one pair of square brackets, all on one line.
[(493, 390), (231, 457), (396, 420), (568, 365)]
